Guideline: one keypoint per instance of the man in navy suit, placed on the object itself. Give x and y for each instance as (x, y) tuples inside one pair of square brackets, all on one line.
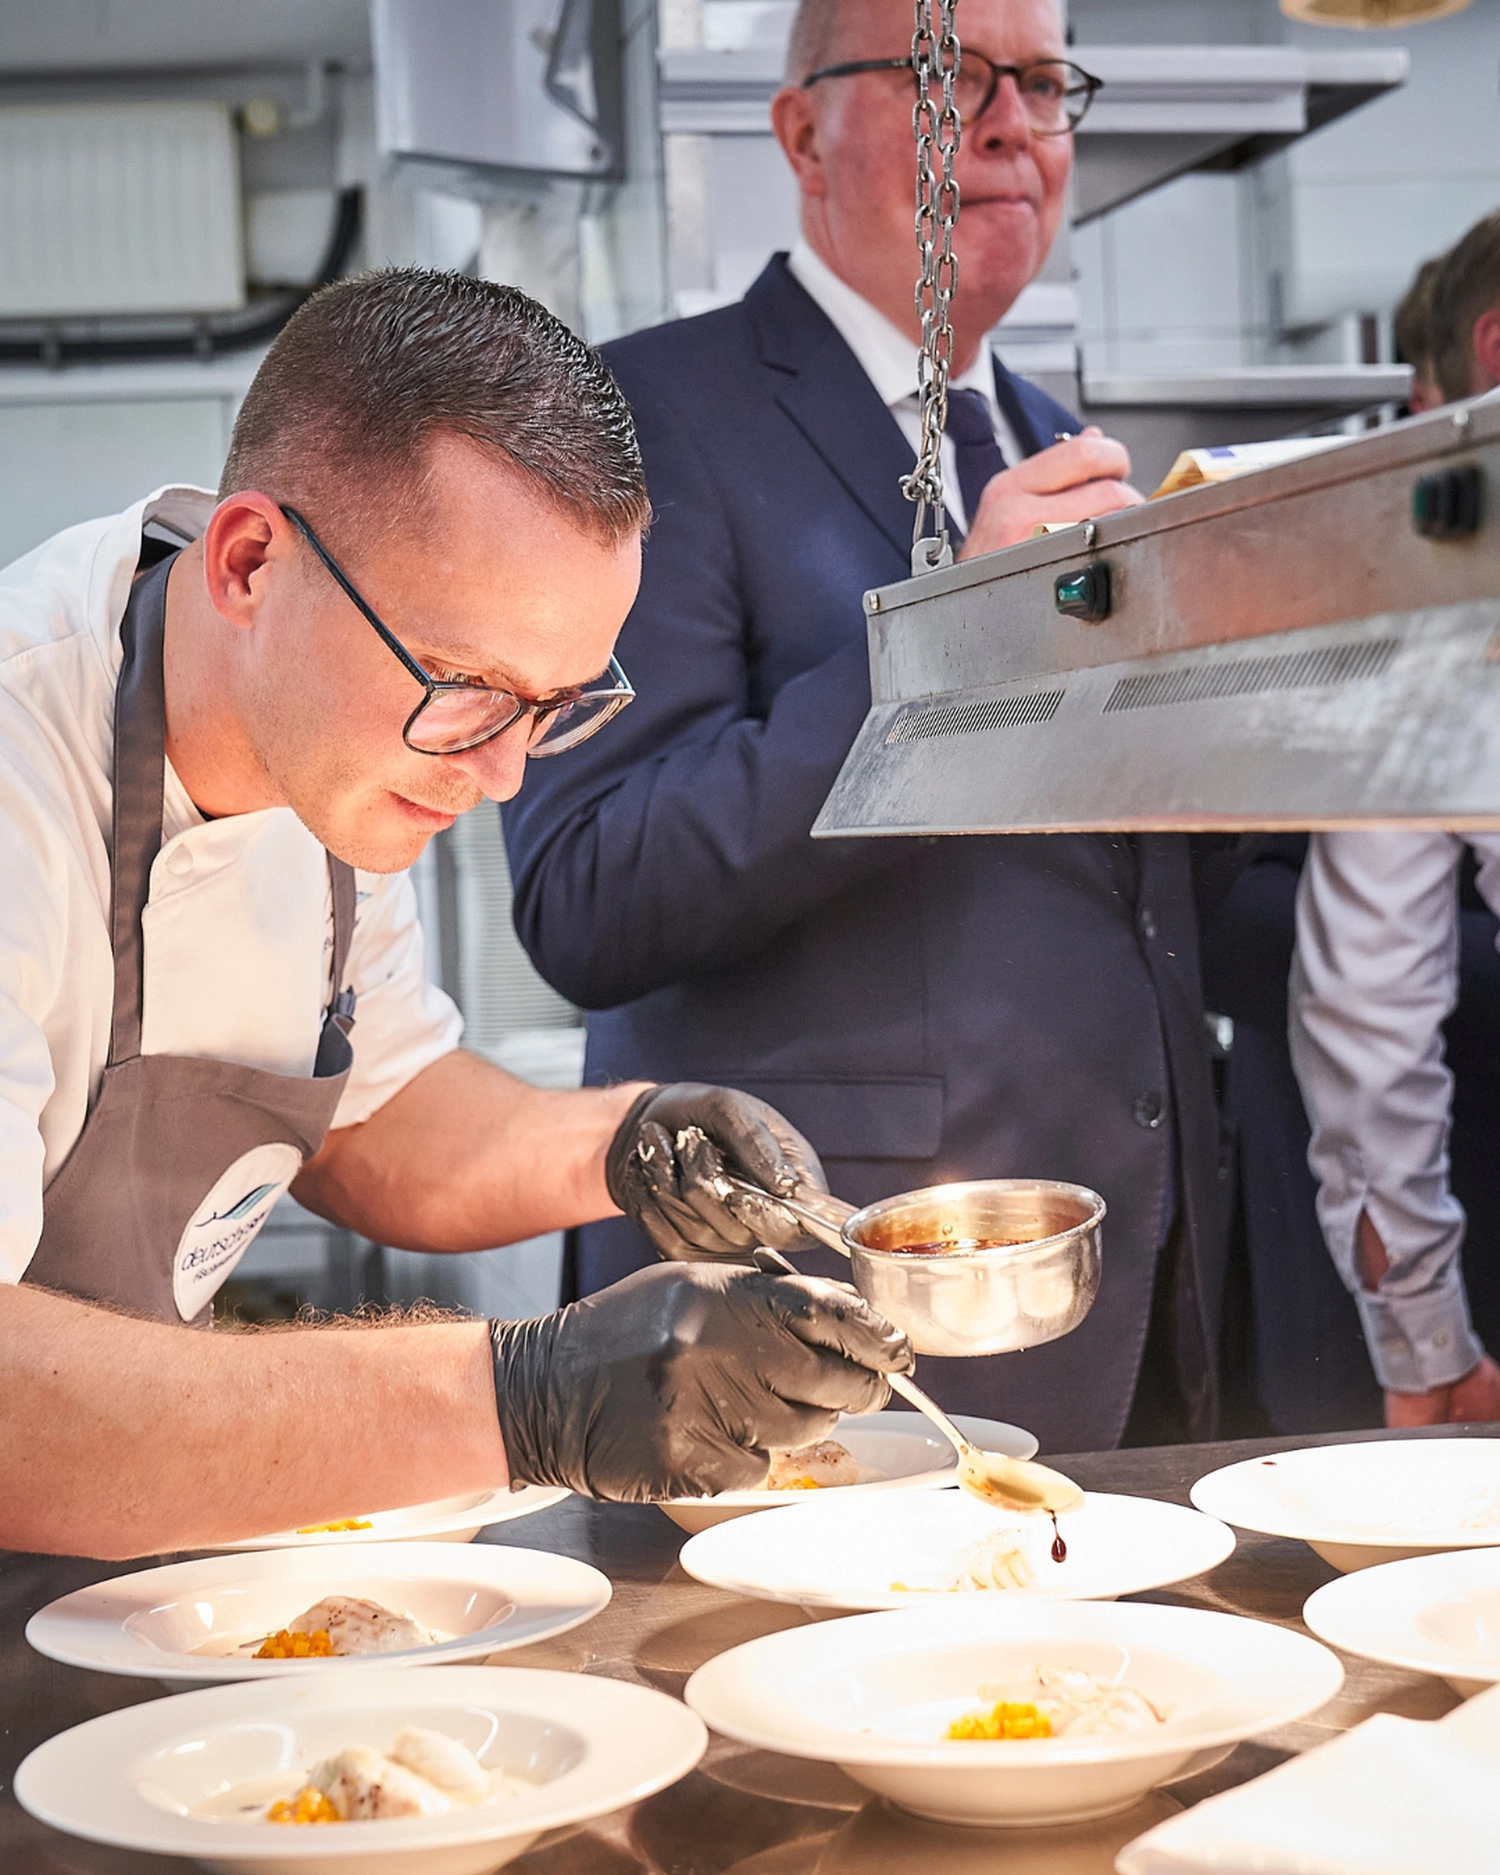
[(922, 1009)]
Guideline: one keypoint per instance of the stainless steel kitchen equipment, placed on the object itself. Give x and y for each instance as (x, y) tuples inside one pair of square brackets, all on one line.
[(1313, 645), (1038, 1282), (517, 86)]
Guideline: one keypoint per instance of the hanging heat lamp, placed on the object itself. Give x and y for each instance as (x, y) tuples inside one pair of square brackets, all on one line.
[(1361, 14)]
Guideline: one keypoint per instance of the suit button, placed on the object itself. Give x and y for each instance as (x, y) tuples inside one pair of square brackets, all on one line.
[(179, 861), (1146, 923), (1148, 1110)]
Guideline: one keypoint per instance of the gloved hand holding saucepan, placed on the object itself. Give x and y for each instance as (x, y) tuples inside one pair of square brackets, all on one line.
[(710, 1173), (667, 1163), (678, 1381)]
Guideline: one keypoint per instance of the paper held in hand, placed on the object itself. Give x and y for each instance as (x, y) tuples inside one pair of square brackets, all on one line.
[(1194, 467)]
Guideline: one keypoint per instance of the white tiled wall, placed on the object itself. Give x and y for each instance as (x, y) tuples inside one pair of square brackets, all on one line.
[(1214, 270), (1161, 281), (87, 443), (1374, 196)]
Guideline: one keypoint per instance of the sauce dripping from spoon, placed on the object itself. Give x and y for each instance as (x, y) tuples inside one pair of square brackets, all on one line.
[(1059, 1547)]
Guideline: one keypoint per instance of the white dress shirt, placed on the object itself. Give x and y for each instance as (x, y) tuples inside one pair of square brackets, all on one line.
[(1374, 978), (238, 930), (889, 360)]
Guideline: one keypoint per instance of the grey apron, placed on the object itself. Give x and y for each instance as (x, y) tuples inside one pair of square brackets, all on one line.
[(180, 1160)]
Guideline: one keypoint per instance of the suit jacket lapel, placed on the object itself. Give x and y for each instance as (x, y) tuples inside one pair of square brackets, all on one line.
[(826, 394)]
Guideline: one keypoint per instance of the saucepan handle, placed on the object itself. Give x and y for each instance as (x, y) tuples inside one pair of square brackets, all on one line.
[(819, 1213)]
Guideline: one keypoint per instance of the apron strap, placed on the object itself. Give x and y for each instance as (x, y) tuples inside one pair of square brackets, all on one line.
[(139, 780), (341, 1005)]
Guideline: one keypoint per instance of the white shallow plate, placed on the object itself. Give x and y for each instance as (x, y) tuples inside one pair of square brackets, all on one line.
[(137, 1778), (1358, 1505), (184, 1623), (842, 1551), (876, 1693), (446, 1520), (1432, 1614), (904, 1449)]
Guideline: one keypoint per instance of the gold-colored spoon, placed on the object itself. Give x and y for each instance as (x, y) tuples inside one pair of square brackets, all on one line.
[(1015, 1484), (1009, 1483)]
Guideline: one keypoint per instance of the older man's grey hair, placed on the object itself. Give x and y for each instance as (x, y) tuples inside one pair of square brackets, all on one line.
[(814, 37)]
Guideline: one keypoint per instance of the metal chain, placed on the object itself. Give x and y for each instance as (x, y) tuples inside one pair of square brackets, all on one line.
[(935, 54)]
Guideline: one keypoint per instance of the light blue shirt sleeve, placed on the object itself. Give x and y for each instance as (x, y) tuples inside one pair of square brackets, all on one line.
[(1374, 978)]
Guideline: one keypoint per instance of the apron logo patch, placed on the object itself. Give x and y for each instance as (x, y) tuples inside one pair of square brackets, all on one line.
[(226, 1222)]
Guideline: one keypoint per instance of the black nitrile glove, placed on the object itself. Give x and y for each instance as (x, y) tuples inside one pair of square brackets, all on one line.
[(666, 1163), (678, 1381)]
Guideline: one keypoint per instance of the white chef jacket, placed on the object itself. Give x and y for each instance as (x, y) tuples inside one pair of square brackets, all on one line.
[(1374, 978), (889, 359), (239, 928)]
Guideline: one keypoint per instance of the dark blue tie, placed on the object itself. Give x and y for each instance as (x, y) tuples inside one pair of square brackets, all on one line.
[(972, 434)]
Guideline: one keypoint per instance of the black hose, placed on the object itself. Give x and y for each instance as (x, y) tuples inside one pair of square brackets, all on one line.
[(206, 338)]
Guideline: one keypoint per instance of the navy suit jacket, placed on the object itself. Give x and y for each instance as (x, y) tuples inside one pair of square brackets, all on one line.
[(923, 1009)]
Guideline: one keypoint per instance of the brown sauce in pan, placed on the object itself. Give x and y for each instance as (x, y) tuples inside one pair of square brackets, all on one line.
[(949, 1245)]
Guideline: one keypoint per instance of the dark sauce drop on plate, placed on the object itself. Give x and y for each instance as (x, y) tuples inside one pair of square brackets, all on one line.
[(1059, 1547)]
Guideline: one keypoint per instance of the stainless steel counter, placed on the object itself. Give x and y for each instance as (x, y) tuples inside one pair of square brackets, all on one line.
[(742, 1812)]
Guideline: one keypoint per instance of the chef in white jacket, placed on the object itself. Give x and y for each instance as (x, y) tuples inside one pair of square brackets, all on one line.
[(218, 754)]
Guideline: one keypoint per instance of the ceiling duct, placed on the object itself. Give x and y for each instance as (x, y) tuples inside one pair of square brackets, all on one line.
[(529, 87), (1312, 645)]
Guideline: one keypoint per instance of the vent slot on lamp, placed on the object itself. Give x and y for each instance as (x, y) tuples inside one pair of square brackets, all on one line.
[(927, 721), (1293, 670)]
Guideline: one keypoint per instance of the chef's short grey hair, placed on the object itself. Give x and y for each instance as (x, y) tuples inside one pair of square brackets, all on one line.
[(369, 372), (814, 35)]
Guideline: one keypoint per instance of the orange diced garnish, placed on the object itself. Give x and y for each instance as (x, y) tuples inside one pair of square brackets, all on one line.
[(308, 1806), (1002, 1721), (284, 1645)]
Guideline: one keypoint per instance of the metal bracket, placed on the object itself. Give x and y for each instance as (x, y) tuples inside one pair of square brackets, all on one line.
[(931, 554)]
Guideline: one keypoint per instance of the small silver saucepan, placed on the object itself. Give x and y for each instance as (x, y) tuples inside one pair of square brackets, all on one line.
[(983, 1267)]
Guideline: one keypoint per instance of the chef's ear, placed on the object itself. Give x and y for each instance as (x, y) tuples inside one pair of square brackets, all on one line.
[(1485, 347), (794, 118), (246, 536)]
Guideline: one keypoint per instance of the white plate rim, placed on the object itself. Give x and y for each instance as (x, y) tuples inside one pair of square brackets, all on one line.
[(548, 1695), (491, 1507), (1214, 1494), (1093, 1620), (136, 1660), (932, 1480), (1324, 1612), (1214, 1553)]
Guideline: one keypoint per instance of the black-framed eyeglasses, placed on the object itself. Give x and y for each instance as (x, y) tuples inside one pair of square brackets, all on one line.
[(1055, 93), (458, 715)]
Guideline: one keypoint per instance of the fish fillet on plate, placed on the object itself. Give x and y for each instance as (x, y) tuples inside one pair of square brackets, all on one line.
[(318, 1611), (868, 1453), (911, 1704), (451, 1771), (357, 1626)]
